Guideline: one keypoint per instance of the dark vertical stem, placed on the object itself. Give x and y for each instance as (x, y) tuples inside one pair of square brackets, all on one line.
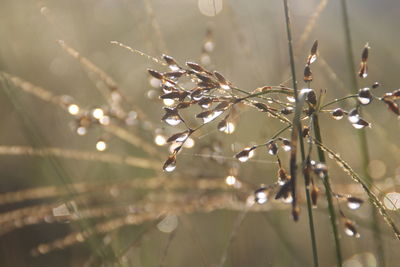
[(362, 137), (294, 80), (328, 192)]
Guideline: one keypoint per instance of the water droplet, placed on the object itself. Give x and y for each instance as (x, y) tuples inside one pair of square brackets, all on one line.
[(272, 148), (353, 116), (213, 115), (350, 229), (169, 102), (321, 170), (261, 195), (338, 114), (312, 59), (170, 163), (245, 154), (286, 145), (354, 203), (225, 86), (364, 96), (361, 124), (101, 145), (73, 109)]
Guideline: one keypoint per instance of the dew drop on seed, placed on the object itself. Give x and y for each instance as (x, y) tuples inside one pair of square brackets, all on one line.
[(173, 120), (170, 164), (261, 195), (169, 102), (364, 96), (286, 145), (212, 116), (245, 154), (353, 116), (272, 148), (338, 114), (353, 205), (312, 59)]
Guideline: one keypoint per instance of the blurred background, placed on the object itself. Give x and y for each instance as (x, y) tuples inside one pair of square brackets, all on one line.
[(248, 45)]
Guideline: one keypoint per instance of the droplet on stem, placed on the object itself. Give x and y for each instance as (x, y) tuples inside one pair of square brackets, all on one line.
[(338, 114), (170, 163), (245, 154)]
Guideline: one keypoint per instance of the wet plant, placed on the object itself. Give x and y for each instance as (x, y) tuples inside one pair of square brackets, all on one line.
[(185, 161)]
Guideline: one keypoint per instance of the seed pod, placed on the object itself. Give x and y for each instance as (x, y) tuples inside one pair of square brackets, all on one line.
[(170, 163), (155, 74), (272, 148), (195, 67), (223, 105), (354, 202), (171, 117), (338, 114), (375, 85), (174, 74), (286, 144), (321, 170), (245, 154), (172, 64), (172, 95), (180, 137), (223, 83), (350, 229), (307, 74), (205, 102), (353, 115), (209, 115), (305, 132), (392, 106), (396, 94), (312, 98), (287, 111), (261, 195), (285, 192), (361, 123), (197, 94), (313, 53), (314, 195), (364, 96), (363, 71), (183, 105), (261, 106)]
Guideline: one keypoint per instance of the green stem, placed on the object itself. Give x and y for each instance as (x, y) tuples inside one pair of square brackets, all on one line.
[(331, 209), (294, 80), (362, 137)]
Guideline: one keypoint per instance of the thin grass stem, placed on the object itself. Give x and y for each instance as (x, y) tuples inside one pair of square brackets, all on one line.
[(294, 81)]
